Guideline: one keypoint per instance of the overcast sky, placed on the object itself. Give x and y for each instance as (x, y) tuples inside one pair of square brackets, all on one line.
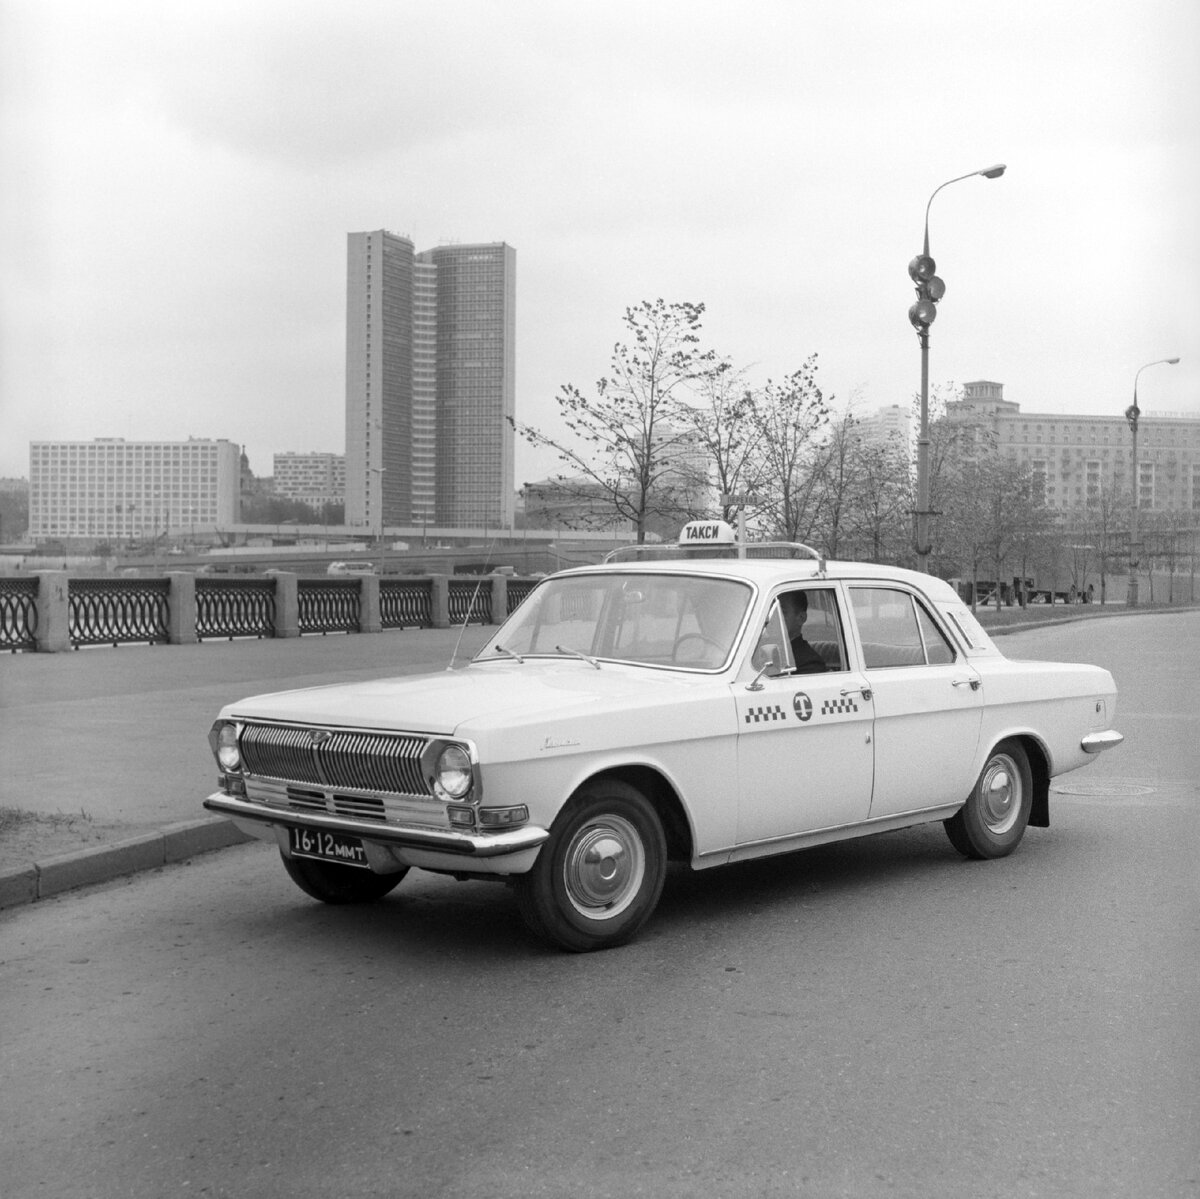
[(177, 181)]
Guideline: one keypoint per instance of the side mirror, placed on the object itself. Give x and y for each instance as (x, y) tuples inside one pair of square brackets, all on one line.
[(768, 660)]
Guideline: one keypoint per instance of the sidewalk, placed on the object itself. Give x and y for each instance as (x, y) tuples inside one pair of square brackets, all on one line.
[(120, 735)]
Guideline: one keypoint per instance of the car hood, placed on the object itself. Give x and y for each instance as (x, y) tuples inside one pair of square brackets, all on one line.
[(491, 696)]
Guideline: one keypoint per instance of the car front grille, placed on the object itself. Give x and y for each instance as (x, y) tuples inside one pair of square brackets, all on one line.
[(384, 763), (358, 807)]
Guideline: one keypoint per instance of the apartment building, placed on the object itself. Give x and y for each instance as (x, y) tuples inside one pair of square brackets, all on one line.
[(315, 479), (116, 489), (1074, 459)]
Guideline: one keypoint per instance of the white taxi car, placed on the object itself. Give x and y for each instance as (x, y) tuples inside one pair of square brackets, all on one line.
[(718, 704)]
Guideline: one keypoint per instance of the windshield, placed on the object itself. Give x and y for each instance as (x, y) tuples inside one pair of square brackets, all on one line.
[(651, 619)]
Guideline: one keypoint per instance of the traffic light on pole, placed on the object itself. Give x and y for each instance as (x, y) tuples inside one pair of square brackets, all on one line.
[(930, 289)]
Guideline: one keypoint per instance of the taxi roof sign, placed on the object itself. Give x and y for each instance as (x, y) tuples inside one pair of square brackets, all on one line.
[(707, 532)]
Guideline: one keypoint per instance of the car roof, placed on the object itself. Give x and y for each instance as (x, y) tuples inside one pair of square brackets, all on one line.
[(771, 572)]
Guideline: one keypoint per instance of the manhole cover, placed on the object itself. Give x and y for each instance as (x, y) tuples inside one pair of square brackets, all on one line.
[(1102, 789)]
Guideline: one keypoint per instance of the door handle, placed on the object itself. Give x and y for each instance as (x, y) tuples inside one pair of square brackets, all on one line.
[(865, 692), (972, 683)]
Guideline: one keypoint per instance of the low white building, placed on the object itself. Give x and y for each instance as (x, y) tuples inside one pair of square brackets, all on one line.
[(113, 488), (314, 479)]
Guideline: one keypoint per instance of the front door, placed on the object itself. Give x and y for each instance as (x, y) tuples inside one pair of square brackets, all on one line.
[(805, 758)]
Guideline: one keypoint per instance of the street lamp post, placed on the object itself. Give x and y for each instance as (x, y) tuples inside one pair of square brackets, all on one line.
[(1132, 414), (380, 471), (930, 290)]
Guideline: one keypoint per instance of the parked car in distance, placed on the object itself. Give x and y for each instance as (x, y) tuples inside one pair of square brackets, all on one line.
[(718, 703), (350, 568)]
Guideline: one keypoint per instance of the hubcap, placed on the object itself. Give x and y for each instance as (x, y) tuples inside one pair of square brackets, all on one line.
[(1000, 794), (603, 867)]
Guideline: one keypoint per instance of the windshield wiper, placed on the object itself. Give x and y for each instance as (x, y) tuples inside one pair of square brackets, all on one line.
[(574, 653), (508, 653)]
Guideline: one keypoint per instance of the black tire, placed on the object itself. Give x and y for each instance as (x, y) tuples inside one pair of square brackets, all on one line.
[(331, 883), (599, 876), (993, 820)]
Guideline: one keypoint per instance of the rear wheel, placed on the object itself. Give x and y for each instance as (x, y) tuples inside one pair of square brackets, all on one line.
[(600, 875), (992, 821), (331, 883)]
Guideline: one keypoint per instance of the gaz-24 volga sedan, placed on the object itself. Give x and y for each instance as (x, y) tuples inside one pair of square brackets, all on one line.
[(711, 706)]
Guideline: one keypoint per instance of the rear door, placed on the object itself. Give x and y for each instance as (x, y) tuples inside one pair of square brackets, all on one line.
[(927, 701)]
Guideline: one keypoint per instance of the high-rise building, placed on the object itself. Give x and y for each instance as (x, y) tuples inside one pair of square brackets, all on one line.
[(112, 488), (430, 383)]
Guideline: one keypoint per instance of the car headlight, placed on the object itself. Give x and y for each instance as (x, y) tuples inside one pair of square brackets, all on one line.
[(224, 742), (453, 773)]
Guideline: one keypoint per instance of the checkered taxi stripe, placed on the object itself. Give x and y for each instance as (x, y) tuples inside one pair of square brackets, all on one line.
[(832, 706), (765, 713)]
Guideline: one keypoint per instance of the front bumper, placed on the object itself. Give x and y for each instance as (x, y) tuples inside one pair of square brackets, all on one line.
[(441, 841)]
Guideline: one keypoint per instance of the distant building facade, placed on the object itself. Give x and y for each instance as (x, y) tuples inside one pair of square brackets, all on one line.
[(890, 424), (1073, 459), (112, 488), (430, 383), (314, 479)]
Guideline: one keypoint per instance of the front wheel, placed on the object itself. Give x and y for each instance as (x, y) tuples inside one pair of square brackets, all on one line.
[(600, 875), (992, 821), (332, 883)]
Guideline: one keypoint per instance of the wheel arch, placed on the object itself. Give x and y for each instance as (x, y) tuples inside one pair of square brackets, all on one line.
[(677, 828), (1039, 771)]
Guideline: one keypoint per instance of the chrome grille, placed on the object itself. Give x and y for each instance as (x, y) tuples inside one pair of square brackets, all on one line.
[(373, 762), (279, 753), (345, 759)]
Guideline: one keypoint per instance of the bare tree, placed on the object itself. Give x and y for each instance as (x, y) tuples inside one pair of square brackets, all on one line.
[(788, 417), (624, 440), (723, 423), (838, 468), (882, 496)]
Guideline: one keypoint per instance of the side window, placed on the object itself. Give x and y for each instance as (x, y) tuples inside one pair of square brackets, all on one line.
[(887, 627), (770, 650), (938, 651), (814, 639)]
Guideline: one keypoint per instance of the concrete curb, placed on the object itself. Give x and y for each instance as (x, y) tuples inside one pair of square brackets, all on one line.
[(82, 868)]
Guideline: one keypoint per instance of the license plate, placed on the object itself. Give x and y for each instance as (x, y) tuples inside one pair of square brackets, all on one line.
[(328, 847)]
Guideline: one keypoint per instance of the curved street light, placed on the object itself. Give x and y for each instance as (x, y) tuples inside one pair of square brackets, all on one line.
[(930, 290), (1132, 415)]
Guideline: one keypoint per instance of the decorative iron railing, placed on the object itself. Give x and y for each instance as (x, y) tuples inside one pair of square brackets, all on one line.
[(406, 603), (111, 611), (18, 613), (330, 605), (469, 601), (518, 589), (235, 607)]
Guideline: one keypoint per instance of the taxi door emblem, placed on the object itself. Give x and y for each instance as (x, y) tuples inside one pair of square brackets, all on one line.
[(802, 706)]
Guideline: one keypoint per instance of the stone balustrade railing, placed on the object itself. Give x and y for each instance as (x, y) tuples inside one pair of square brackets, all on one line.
[(54, 610)]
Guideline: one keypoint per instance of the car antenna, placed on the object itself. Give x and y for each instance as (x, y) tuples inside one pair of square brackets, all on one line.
[(471, 606)]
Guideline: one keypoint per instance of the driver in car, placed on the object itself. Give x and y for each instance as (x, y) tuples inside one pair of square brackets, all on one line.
[(794, 606)]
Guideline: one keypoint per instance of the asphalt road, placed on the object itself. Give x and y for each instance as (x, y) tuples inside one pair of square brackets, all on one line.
[(875, 1018)]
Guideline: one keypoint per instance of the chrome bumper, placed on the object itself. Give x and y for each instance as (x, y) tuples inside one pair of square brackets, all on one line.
[(471, 845), (1094, 743)]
